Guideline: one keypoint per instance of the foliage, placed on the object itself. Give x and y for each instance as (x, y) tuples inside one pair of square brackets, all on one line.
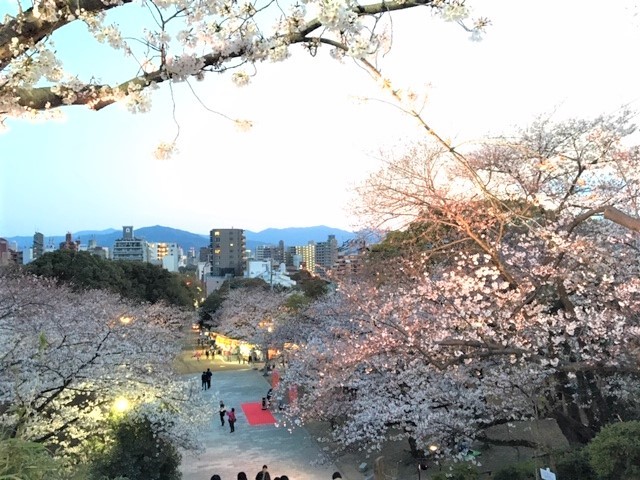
[(153, 283), (458, 471), (297, 302), (65, 357), (81, 269), (250, 314), (135, 280), (24, 460), (177, 40), (615, 452), (313, 287), (520, 471), (210, 306), (138, 451), (521, 303), (215, 300), (574, 465)]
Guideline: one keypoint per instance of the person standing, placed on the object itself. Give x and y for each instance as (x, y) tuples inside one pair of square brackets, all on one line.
[(242, 476), (209, 375), (232, 420), (203, 378), (263, 474), (223, 412)]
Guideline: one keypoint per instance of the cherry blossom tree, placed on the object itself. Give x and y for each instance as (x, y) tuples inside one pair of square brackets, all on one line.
[(250, 314), (174, 40), (67, 358), (514, 299)]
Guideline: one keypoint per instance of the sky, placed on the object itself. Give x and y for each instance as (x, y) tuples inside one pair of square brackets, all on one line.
[(320, 127)]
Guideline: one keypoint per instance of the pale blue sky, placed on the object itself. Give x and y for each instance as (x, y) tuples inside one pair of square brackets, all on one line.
[(312, 138)]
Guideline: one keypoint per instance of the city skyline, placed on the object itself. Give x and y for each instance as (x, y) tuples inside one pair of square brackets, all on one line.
[(313, 137)]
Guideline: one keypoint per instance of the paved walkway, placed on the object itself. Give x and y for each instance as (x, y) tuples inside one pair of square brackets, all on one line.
[(292, 453)]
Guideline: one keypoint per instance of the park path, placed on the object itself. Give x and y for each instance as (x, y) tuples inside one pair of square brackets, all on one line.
[(290, 452), (287, 452)]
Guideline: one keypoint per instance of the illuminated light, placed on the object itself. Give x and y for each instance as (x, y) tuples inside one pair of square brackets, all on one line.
[(125, 320), (433, 448), (121, 405)]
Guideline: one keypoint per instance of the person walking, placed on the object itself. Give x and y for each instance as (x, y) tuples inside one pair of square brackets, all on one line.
[(232, 421), (223, 412), (263, 474)]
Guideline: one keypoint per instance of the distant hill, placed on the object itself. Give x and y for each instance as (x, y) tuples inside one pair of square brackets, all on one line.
[(107, 237), (299, 235)]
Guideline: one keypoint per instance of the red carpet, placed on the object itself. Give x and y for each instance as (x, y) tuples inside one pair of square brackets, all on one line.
[(256, 416)]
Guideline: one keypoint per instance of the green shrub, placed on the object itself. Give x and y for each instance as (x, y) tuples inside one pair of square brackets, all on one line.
[(615, 452), (458, 471), (138, 452), (519, 471), (574, 465), (20, 459)]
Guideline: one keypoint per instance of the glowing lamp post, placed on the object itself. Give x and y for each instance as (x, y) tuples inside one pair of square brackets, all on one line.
[(121, 405)]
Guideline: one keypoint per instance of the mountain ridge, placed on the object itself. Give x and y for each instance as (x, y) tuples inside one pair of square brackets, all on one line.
[(158, 233)]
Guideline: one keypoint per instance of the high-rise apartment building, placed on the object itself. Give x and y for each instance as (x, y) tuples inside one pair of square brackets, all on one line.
[(165, 254), (130, 248), (308, 254), (227, 252), (38, 245), (275, 253), (327, 253)]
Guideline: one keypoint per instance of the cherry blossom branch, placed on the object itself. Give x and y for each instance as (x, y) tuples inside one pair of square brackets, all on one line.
[(29, 27), (99, 96)]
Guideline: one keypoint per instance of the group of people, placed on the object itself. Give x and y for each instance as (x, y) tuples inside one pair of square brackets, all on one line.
[(265, 475), (206, 379), (231, 416)]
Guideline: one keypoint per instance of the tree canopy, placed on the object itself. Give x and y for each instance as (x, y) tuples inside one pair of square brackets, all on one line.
[(516, 300), (174, 40), (135, 280), (66, 357)]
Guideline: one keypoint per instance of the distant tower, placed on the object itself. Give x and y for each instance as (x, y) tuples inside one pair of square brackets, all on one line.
[(69, 244), (127, 233), (38, 245)]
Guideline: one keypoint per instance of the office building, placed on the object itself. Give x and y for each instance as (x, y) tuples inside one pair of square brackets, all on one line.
[(130, 248)]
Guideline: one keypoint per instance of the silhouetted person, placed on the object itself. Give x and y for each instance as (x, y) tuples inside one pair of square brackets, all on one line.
[(242, 476), (263, 474), (209, 374), (223, 412)]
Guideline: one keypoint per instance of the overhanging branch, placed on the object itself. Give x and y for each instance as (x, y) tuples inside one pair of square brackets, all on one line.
[(97, 97)]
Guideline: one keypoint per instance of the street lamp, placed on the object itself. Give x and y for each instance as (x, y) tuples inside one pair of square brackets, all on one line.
[(121, 405), (421, 467)]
